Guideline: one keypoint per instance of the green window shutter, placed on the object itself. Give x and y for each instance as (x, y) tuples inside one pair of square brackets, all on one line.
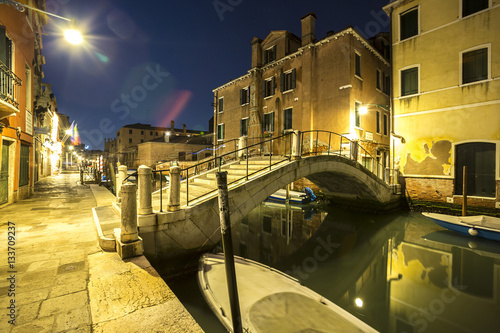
[(24, 166), (273, 85), (282, 82), (3, 45), (294, 76)]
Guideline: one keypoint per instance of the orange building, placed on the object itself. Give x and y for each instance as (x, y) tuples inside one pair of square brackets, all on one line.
[(20, 67)]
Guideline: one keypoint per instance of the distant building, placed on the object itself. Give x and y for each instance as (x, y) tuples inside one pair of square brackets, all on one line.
[(20, 72), (301, 83), (446, 65), (124, 148)]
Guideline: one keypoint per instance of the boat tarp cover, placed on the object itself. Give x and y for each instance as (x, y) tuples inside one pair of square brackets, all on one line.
[(292, 312)]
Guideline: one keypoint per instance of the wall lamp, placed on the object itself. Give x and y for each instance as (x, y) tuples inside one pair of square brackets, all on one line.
[(363, 109), (72, 35)]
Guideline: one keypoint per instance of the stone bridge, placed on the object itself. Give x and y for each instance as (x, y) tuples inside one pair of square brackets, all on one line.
[(195, 227)]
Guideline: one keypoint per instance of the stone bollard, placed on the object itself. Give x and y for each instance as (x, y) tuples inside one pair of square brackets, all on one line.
[(145, 190), (241, 145), (296, 145), (174, 193), (129, 213), (120, 177), (128, 242)]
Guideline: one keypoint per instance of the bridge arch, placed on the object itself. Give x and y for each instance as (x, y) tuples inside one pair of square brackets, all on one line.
[(197, 227)]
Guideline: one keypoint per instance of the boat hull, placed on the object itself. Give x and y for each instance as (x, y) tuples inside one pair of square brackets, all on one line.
[(470, 228)]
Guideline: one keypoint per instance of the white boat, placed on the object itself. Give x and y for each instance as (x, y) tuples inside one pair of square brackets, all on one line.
[(479, 225), (271, 301), (294, 196)]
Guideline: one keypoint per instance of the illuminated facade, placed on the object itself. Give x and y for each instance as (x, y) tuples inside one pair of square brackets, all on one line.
[(301, 83), (20, 67), (446, 98)]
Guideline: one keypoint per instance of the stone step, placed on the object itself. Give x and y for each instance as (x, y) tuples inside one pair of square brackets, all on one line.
[(229, 176), (206, 181), (243, 166)]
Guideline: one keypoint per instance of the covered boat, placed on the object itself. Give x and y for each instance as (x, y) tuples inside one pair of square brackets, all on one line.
[(271, 301), (479, 225), (294, 196)]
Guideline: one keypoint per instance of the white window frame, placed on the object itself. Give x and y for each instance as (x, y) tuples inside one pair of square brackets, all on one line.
[(360, 76), (400, 80), (286, 130), (248, 94), (418, 23), (218, 103), (272, 88), (460, 64), (223, 131), (248, 125), (461, 7), (274, 122)]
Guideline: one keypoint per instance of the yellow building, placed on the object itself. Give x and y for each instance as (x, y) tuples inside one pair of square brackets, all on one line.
[(446, 98), (307, 84)]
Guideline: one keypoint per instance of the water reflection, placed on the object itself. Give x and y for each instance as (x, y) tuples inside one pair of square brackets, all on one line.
[(398, 272)]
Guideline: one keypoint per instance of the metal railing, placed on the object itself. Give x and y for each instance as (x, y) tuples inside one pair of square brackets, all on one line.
[(9, 85), (315, 142)]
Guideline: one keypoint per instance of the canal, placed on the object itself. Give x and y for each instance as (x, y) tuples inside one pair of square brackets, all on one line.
[(397, 272)]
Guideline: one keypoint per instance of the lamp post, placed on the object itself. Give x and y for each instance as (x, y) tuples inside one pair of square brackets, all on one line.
[(72, 35), (363, 110)]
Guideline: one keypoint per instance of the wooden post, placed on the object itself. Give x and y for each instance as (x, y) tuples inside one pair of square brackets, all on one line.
[(464, 192), (227, 245)]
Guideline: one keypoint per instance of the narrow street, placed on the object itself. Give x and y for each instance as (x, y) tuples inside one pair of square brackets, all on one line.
[(54, 235), (56, 278)]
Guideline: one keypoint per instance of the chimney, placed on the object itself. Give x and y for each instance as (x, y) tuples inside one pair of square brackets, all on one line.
[(256, 52), (184, 132), (308, 28), (172, 129)]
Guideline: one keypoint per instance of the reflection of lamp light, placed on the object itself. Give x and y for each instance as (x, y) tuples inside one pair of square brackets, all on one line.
[(358, 302), (363, 110), (72, 35)]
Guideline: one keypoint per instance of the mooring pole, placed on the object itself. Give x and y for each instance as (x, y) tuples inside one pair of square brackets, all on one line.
[(464, 192), (227, 245)]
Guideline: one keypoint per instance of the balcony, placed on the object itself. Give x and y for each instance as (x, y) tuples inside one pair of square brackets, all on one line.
[(9, 91)]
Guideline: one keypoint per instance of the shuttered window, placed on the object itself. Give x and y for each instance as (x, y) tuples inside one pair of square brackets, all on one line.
[(270, 54), (409, 23), (268, 122), (475, 65), (244, 127), (287, 80), (268, 87), (409, 81), (245, 96), (287, 122), (24, 165)]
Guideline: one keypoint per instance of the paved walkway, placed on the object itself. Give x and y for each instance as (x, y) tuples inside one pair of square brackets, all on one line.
[(61, 281)]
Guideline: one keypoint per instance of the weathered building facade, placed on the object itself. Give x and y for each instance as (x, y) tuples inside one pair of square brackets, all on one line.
[(446, 90), (20, 68), (307, 84)]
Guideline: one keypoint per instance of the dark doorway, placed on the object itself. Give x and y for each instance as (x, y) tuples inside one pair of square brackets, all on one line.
[(479, 157)]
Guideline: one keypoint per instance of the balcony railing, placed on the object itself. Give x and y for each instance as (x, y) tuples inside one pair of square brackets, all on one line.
[(9, 86)]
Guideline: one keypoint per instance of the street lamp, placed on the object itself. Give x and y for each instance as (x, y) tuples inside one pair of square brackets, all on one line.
[(72, 35)]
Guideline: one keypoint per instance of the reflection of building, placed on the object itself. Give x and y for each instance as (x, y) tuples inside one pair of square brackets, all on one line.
[(124, 148), (308, 84), (446, 98), (20, 69), (450, 283)]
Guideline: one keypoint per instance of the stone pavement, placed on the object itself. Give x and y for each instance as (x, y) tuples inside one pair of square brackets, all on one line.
[(61, 280)]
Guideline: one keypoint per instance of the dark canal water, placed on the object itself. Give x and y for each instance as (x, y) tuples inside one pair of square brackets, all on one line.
[(410, 274)]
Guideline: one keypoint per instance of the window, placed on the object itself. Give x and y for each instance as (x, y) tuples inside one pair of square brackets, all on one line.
[(270, 54), (287, 80), (408, 22), (475, 65), (357, 117), (220, 132), (409, 81), (357, 61), (378, 122), (24, 165), (268, 122), (470, 7), (245, 96), (385, 124), (129, 131), (379, 80), (182, 156), (287, 119), (156, 133), (150, 132), (244, 127), (117, 133), (268, 87), (130, 140), (479, 157), (6, 48), (28, 88), (386, 84), (220, 105)]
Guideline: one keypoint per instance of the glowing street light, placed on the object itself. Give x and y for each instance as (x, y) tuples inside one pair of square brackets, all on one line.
[(72, 35)]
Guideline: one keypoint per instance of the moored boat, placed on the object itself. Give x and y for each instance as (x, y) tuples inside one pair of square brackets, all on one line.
[(478, 226), (294, 196), (271, 301)]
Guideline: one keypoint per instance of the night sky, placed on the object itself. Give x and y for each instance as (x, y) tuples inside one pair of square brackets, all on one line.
[(156, 61)]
